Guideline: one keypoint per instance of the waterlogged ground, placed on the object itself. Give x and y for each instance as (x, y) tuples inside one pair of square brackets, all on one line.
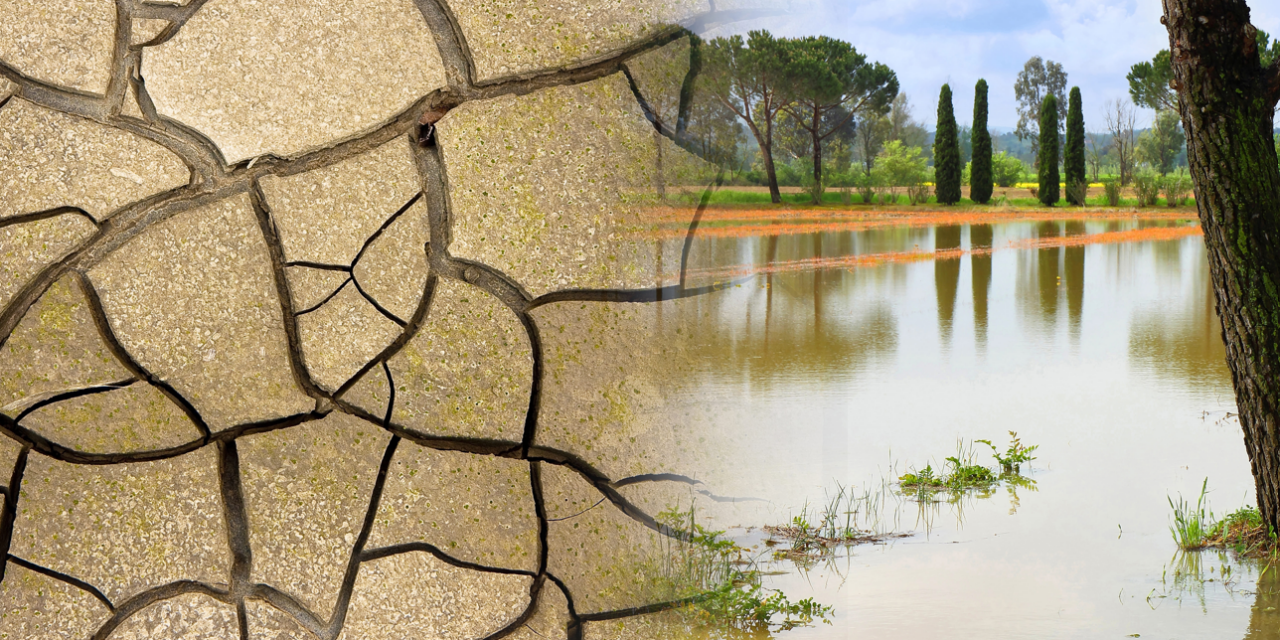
[(855, 350)]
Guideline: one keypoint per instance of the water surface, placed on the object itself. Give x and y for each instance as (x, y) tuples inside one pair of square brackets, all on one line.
[(1105, 354)]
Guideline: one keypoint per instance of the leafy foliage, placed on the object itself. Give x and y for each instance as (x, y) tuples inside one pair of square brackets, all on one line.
[(1149, 83), (748, 78), (1006, 170), (1176, 188), (1014, 456), (901, 166), (980, 175), (946, 151), (1036, 81), (1112, 190), (961, 473), (1048, 158), (1147, 187), (1160, 145), (827, 83)]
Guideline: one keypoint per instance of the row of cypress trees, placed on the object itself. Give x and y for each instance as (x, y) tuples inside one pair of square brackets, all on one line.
[(946, 151)]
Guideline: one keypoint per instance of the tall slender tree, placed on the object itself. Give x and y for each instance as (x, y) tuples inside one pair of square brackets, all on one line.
[(1227, 102), (1048, 158), (747, 77), (980, 182), (1073, 157), (828, 83), (946, 152)]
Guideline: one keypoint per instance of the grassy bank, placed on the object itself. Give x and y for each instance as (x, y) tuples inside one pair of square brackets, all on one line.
[(1011, 197)]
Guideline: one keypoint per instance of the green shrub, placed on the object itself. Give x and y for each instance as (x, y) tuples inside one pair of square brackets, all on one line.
[(1112, 190), (1006, 170), (1014, 456), (1147, 186), (1077, 191), (1176, 188), (898, 165)]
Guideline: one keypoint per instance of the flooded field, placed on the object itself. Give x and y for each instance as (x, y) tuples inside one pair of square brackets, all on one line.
[(852, 353)]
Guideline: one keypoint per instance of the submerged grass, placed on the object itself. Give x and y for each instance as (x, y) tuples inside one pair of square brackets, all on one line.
[(1191, 524), (845, 519), (1242, 531), (722, 584)]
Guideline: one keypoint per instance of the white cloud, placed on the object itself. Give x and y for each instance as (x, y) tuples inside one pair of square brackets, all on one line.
[(929, 42)]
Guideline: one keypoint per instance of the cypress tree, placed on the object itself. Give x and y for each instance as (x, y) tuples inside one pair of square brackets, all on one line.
[(1048, 159), (1073, 160), (946, 152), (980, 182)]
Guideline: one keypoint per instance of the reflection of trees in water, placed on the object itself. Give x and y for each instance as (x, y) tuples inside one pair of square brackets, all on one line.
[(1047, 270), (980, 237), (1182, 344), (946, 279), (1043, 279), (1073, 260), (785, 330), (1264, 622)]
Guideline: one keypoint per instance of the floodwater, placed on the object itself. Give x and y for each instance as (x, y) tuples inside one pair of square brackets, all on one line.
[(1104, 352)]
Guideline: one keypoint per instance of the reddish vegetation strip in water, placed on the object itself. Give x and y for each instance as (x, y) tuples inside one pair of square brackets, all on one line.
[(892, 257), (766, 222)]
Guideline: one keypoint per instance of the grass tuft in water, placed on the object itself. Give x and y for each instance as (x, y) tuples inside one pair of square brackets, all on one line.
[(847, 518), (722, 585), (1192, 524)]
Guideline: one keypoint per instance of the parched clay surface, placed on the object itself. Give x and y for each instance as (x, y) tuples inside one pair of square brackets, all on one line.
[(193, 300), (592, 143), (272, 356), (478, 509), (513, 37), (124, 528), (50, 159), (468, 370), (55, 348), (307, 490), (249, 74), (68, 44)]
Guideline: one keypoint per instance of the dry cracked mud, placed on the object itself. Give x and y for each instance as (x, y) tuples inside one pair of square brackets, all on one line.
[(275, 362)]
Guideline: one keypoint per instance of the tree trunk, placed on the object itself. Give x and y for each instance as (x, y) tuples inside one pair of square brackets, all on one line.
[(817, 155), (766, 149), (1226, 102)]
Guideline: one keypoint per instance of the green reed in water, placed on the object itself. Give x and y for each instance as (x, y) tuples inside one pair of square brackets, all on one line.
[(1192, 524), (722, 584)]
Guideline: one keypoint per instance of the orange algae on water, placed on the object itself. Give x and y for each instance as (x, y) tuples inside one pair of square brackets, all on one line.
[(898, 257), (748, 223)]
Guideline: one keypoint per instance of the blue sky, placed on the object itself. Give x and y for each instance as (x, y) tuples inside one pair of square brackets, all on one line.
[(931, 42)]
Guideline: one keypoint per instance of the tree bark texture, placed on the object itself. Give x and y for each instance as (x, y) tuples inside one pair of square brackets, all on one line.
[(766, 149), (1226, 102)]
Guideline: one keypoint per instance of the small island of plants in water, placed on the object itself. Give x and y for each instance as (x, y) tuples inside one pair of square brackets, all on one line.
[(717, 579)]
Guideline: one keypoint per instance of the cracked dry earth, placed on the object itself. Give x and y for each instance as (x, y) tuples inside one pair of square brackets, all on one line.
[(277, 361)]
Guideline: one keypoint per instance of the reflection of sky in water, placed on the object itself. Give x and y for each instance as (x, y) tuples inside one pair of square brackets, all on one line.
[(1107, 356)]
